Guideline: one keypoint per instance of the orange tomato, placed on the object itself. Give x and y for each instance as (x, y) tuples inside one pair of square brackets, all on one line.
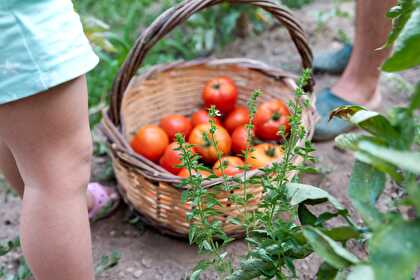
[(185, 174), (230, 164), (269, 118), (238, 117), (264, 154), (174, 124), (202, 117), (150, 141), (222, 93), (201, 138)]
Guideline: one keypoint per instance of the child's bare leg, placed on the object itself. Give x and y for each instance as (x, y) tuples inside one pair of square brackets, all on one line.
[(48, 135), (9, 169)]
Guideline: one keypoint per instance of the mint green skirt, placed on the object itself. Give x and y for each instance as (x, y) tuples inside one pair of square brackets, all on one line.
[(42, 45)]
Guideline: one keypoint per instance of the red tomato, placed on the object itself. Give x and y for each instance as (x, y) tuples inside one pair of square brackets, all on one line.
[(150, 142), (202, 117), (174, 124), (222, 93), (230, 164), (171, 158), (264, 154), (239, 139), (236, 118), (200, 137), (269, 118), (185, 174)]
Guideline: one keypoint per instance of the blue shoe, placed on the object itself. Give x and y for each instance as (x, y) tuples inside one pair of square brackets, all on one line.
[(333, 62), (324, 129)]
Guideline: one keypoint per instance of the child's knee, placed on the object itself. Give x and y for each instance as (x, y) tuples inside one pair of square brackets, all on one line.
[(63, 171)]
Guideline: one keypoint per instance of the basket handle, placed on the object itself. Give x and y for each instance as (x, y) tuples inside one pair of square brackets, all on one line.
[(175, 16)]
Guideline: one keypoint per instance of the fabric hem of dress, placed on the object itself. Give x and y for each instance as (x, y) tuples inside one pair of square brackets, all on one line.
[(91, 62)]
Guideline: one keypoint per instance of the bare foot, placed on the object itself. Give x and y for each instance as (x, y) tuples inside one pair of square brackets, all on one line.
[(362, 93)]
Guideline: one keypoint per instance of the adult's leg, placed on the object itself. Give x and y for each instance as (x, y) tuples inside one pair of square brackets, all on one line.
[(50, 140), (360, 79), (359, 82), (9, 169)]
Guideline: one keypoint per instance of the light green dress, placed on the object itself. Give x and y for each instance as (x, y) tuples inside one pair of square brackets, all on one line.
[(42, 45)]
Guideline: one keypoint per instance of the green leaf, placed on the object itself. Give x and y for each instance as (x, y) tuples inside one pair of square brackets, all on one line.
[(250, 268), (184, 197), (301, 193), (407, 160), (326, 272), (206, 245), (191, 233), (394, 252), (361, 272), (305, 216), (346, 112), (372, 122), (9, 246), (365, 187), (401, 14), (379, 164), (415, 99), (406, 54), (349, 141), (108, 262), (413, 189), (332, 252), (375, 123), (196, 275), (342, 233)]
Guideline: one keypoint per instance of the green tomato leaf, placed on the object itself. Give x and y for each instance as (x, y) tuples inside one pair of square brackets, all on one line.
[(366, 185), (346, 112), (342, 234), (195, 275), (394, 251), (361, 272), (407, 160), (415, 99), (372, 122), (375, 123), (305, 216), (326, 272), (9, 246), (406, 54), (350, 141), (301, 193), (331, 251), (108, 262), (401, 14), (379, 164)]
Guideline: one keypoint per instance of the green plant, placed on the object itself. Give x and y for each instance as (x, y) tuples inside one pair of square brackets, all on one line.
[(386, 152), (274, 238)]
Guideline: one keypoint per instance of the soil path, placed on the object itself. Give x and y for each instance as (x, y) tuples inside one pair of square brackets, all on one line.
[(148, 255)]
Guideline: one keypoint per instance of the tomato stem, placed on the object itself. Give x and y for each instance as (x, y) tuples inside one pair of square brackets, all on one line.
[(276, 116), (216, 86), (271, 152)]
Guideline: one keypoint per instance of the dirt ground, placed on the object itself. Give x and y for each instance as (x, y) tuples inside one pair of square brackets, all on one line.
[(148, 255)]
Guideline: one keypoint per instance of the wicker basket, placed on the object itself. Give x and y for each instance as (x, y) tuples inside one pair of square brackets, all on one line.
[(176, 88)]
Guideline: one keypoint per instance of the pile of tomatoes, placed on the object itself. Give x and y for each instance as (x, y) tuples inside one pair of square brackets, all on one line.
[(157, 142)]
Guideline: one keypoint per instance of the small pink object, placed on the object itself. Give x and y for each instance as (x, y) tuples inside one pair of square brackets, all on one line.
[(102, 199)]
